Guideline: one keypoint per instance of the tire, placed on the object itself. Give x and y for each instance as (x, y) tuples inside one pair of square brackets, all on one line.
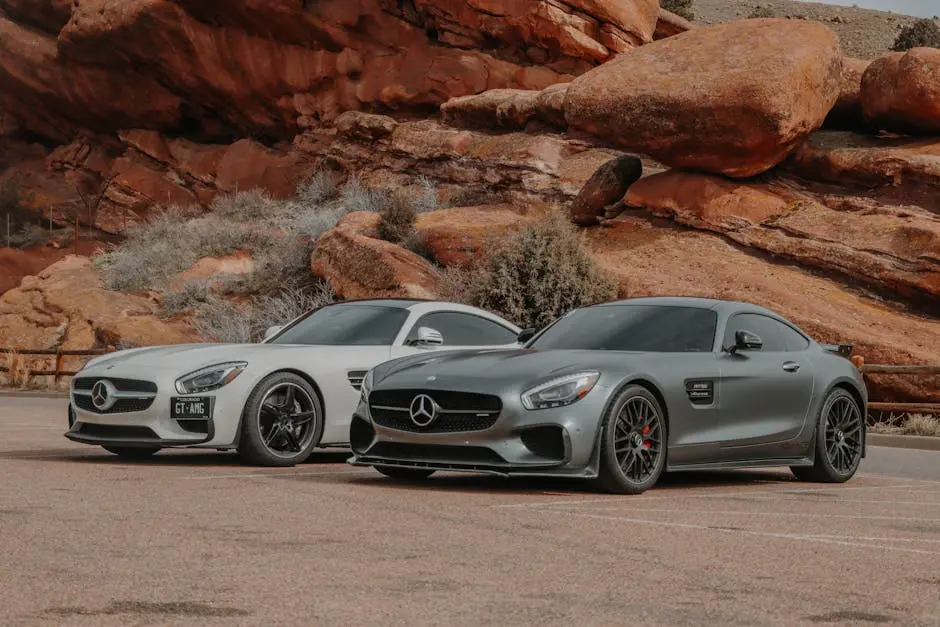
[(838, 441), (634, 432), (132, 452), (405, 474), (278, 429)]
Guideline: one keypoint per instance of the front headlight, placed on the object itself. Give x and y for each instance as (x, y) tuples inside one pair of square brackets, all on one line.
[(366, 386), (210, 378), (560, 391)]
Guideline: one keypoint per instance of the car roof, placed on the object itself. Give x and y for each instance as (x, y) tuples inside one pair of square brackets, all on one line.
[(395, 303), (727, 306)]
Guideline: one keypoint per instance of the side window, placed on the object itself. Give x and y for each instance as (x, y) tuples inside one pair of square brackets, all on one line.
[(461, 329), (777, 337)]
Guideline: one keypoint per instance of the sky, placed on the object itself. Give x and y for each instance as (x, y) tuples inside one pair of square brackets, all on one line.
[(921, 8)]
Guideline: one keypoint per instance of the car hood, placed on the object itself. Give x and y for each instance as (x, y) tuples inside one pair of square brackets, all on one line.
[(188, 357), (486, 368)]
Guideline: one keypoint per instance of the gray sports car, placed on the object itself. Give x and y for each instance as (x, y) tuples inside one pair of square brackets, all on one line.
[(619, 393)]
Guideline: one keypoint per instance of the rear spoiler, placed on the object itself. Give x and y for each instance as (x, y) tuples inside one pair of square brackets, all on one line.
[(843, 350)]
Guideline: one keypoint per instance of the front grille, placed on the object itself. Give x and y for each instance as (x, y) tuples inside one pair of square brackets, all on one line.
[(83, 386), (402, 451), (123, 405), (459, 411), (123, 385), (117, 432)]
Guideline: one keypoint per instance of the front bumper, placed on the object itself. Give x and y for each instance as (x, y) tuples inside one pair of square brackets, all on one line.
[(549, 442), (150, 424)]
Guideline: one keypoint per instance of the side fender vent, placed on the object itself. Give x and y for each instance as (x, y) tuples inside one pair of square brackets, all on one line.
[(700, 392), (355, 378)]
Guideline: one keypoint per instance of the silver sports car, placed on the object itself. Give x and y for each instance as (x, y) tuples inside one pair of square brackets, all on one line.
[(619, 393)]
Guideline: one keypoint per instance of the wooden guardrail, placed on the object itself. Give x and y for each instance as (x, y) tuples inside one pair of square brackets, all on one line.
[(907, 408), (58, 354)]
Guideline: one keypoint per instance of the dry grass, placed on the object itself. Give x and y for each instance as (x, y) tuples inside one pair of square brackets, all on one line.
[(18, 373), (907, 424)]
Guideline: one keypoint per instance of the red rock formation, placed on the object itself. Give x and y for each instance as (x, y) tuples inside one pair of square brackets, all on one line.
[(275, 67), (56, 98), (357, 265), (734, 98), (893, 249), (66, 306), (901, 91), (908, 169)]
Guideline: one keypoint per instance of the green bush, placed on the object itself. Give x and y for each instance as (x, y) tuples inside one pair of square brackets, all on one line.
[(542, 272), (682, 8), (921, 34)]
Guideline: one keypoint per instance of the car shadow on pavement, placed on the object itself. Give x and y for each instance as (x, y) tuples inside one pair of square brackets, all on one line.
[(488, 483), (180, 457)]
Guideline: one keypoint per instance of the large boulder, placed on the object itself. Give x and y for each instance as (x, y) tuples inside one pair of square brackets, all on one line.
[(507, 108), (461, 235), (606, 187), (908, 167), (901, 92), (733, 98), (66, 306), (357, 265)]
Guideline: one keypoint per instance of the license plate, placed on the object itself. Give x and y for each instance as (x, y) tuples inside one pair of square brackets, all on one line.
[(191, 408)]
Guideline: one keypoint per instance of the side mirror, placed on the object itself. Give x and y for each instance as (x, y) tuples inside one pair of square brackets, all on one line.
[(525, 335), (429, 337), (746, 341), (272, 331)]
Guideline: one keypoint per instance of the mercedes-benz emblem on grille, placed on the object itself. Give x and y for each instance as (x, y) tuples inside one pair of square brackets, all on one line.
[(103, 395), (423, 410)]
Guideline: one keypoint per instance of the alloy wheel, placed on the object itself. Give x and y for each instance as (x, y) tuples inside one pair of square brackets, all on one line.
[(843, 434), (638, 439), (287, 419)]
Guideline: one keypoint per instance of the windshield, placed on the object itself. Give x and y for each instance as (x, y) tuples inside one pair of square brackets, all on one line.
[(651, 328), (346, 325)]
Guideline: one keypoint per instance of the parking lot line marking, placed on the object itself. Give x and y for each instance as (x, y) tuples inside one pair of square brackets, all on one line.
[(706, 495), (927, 540), (743, 513), (765, 534)]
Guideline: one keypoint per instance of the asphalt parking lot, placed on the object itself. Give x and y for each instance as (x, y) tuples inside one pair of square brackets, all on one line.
[(197, 538)]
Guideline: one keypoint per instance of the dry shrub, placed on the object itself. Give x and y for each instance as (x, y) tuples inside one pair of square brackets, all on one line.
[(540, 273), (921, 34), (762, 12), (317, 188), (682, 8), (398, 218), (226, 321), (166, 245)]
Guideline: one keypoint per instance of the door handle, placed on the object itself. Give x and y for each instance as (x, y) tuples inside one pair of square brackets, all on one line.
[(791, 366)]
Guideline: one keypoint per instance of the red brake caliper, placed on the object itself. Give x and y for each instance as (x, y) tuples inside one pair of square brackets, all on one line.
[(646, 443)]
